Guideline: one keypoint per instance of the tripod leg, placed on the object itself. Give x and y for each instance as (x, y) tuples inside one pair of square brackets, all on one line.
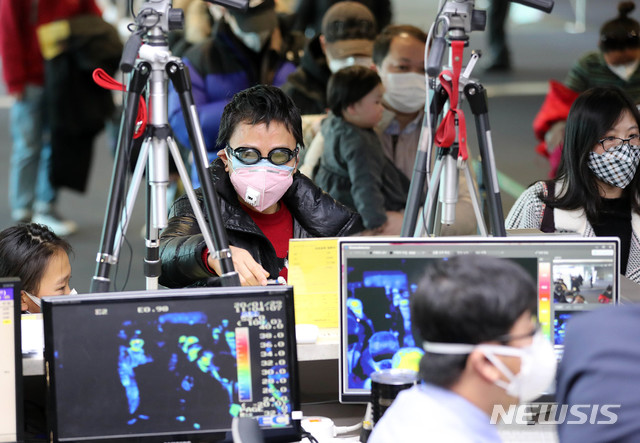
[(152, 265), (180, 78), (448, 195), (422, 163), (426, 222), (136, 179), (475, 201), (476, 95), (193, 199), (106, 258)]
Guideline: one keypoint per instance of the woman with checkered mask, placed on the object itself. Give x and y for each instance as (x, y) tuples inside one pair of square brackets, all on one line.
[(597, 189)]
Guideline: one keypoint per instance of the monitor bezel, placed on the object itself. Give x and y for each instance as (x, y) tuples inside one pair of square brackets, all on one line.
[(291, 433), (16, 284), (349, 397)]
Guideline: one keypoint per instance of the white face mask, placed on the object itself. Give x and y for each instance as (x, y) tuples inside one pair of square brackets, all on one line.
[(405, 91), (624, 71), (36, 300), (252, 40), (537, 364), (337, 64)]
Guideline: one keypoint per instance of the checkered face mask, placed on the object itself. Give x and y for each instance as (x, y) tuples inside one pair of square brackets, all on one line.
[(616, 166)]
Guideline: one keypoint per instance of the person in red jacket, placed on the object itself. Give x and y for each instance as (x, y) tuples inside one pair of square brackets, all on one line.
[(31, 195)]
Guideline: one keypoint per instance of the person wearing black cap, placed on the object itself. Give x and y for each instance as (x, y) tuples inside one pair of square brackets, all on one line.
[(310, 13), (614, 64), (348, 31), (247, 48)]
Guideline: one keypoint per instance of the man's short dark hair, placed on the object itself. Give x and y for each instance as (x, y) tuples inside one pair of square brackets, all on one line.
[(383, 40), (467, 299), (260, 104), (349, 85)]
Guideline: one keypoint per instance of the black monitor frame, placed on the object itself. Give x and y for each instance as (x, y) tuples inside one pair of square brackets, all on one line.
[(15, 284), (205, 297)]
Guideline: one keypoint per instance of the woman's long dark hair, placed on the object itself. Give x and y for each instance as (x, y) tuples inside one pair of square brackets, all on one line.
[(591, 116)]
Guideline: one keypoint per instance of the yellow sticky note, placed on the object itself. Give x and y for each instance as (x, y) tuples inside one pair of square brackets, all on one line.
[(313, 273)]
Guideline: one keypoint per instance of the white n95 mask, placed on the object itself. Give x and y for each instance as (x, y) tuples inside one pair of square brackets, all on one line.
[(537, 364)]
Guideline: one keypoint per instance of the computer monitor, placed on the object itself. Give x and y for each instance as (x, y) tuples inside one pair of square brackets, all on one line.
[(377, 277), (171, 365), (11, 406)]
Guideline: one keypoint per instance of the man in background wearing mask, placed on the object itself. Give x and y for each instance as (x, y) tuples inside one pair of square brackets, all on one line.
[(247, 48), (264, 201), (474, 318), (348, 31), (615, 63)]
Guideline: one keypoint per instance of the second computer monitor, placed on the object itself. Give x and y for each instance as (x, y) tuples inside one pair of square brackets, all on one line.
[(378, 276)]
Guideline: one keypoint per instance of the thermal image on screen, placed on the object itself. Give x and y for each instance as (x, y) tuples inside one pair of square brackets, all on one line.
[(378, 315), (157, 369), (378, 321)]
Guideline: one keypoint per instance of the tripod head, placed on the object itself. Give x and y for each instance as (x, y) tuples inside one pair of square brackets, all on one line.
[(456, 19), (154, 20)]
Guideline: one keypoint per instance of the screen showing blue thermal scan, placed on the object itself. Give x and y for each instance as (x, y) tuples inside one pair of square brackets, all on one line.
[(153, 365), (378, 315), (378, 277)]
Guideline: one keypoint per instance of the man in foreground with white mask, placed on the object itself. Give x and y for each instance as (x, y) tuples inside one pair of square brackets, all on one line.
[(264, 201), (474, 317), (246, 49), (348, 31)]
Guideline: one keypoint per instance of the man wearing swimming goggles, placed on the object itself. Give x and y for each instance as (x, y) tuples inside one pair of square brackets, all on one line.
[(264, 201)]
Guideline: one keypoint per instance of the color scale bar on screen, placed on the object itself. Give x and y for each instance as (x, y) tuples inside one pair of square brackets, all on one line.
[(544, 298), (243, 362)]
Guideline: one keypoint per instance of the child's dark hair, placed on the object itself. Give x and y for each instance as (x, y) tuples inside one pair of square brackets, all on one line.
[(25, 250), (622, 32), (349, 85)]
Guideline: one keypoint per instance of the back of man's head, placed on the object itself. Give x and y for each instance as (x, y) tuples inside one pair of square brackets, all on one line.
[(467, 299), (349, 29), (256, 105)]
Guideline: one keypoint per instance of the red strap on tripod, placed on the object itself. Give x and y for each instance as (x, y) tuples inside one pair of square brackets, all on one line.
[(106, 81), (446, 133)]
